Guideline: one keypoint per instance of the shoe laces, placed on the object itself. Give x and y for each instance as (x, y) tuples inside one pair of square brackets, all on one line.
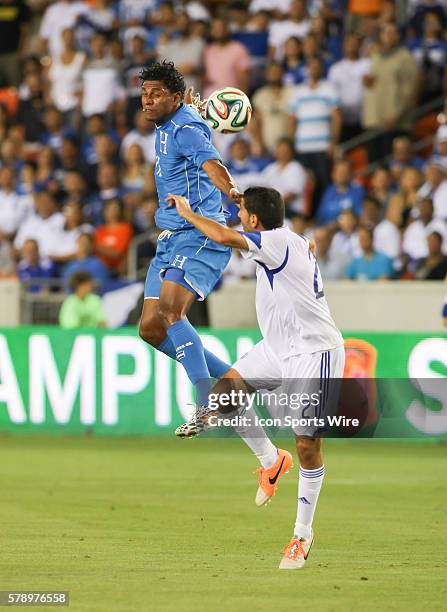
[(294, 549), (198, 413)]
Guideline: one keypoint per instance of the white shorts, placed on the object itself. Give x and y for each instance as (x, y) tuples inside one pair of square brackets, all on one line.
[(310, 373)]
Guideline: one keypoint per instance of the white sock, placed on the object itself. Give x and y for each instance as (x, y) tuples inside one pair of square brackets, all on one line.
[(255, 438), (309, 485)]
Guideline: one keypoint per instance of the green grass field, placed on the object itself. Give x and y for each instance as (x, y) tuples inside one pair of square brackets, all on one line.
[(169, 525)]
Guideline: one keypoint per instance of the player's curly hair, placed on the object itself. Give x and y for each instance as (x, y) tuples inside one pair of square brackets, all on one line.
[(166, 73)]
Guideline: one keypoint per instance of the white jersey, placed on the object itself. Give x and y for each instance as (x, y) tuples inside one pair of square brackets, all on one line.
[(292, 312)]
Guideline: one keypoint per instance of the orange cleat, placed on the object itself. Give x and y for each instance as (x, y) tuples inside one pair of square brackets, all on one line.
[(296, 553), (268, 478)]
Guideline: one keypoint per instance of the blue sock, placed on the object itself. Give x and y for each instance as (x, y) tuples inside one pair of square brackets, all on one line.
[(216, 366), (189, 351)]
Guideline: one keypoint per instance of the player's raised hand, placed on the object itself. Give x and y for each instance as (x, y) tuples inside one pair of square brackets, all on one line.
[(236, 195), (194, 100), (181, 203), (189, 95)]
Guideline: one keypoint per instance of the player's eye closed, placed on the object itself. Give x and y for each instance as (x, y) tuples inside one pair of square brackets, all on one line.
[(153, 94)]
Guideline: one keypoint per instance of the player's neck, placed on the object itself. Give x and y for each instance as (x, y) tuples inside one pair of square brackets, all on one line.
[(163, 120)]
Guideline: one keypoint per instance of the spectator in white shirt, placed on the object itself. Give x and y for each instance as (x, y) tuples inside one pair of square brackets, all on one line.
[(414, 243), (42, 225), (185, 50), (288, 176), (297, 24), (332, 263), (64, 74), (435, 187), (440, 155), (13, 207), (386, 235), (278, 6), (57, 17), (63, 245), (347, 77), (101, 74), (144, 135), (315, 124), (346, 239)]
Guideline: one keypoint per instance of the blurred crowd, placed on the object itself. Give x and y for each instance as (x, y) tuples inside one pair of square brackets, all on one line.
[(76, 152)]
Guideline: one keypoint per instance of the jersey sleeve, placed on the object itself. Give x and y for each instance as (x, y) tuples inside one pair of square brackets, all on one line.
[(195, 145), (266, 247)]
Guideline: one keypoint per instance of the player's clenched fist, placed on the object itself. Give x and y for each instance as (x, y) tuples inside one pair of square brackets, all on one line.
[(181, 203)]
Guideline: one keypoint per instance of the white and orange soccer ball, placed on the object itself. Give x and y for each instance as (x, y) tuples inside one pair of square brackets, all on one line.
[(228, 110)]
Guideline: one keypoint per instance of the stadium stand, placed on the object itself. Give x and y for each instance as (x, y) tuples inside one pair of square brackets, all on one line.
[(76, 154)]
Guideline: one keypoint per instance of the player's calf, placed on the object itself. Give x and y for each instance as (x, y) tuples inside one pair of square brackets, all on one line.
[(310, 480)]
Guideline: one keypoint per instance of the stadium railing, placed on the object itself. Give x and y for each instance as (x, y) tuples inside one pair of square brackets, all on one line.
[(366, 137), (135, 270), (41, 300)]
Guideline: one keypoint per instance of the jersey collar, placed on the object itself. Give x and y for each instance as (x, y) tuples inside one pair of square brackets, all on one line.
[(157, 127)]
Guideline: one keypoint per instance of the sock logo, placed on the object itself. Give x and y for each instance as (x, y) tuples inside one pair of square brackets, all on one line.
[(182, 346), (179, 352), (303, 500)]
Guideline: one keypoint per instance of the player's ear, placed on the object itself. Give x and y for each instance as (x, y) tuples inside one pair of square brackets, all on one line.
[(254, 220)]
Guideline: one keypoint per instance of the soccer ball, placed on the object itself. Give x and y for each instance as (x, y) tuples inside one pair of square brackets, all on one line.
[(228, 110)]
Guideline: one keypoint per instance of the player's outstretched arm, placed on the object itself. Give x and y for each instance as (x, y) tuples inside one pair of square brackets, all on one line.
[(222, 179), (212, 229)]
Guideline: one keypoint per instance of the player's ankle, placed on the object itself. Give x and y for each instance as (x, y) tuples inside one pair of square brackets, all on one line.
[(302, 531)]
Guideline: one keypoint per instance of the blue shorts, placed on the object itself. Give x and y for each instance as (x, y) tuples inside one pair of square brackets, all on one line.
[(201, 261)]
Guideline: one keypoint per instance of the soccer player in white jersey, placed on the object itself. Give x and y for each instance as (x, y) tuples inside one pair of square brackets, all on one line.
[(300, 344)]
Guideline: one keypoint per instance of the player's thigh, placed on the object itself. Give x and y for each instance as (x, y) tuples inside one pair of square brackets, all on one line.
[(259, 367), (159, 262), (175, 301), (312, 383), (201, 260)]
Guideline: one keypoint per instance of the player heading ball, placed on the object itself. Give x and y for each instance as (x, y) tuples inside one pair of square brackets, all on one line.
[(187, 264)]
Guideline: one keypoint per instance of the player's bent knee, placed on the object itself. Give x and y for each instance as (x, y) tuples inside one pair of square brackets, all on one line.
[(308, 450), (151, 331), (169, 314)]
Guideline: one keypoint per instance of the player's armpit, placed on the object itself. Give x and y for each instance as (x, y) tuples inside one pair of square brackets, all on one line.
[(212, 229)]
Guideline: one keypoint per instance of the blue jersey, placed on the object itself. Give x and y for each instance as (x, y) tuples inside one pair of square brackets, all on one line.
[(182, 145)]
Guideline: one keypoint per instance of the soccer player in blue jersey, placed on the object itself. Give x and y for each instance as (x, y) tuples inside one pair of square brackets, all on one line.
[(187, 264)]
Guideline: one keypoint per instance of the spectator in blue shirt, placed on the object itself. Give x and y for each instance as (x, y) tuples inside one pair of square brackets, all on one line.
[(96, 125), (245, 168), (33, 268), (342, 194), (371, 265), (108, 181), (55, 130), (423, 8), (85, 261), (293, 63), (430, 51)]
